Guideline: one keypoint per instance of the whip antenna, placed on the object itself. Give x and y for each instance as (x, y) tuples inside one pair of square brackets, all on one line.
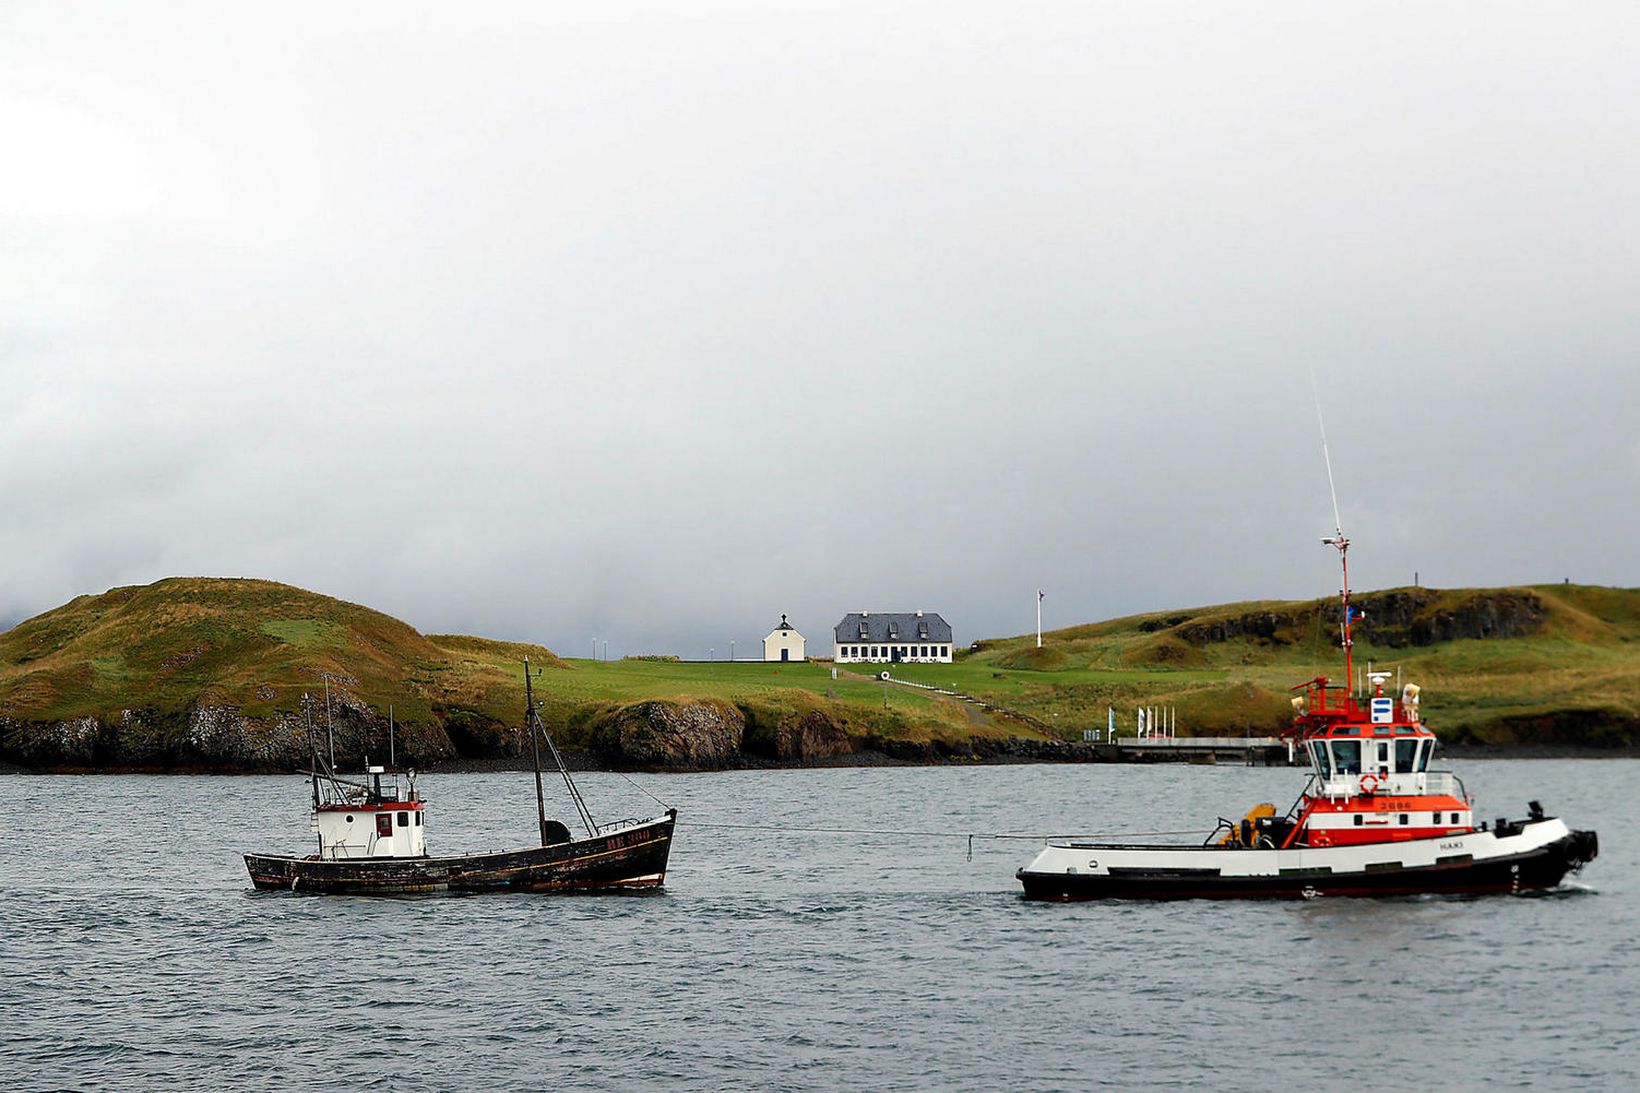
[(1326, 455), (1337, 541)]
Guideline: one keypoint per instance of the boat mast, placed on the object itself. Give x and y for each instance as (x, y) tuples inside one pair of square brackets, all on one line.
[(535, 751), (535, 725)]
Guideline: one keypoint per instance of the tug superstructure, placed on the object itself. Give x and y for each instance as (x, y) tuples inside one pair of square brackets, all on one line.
[(1373, 818)]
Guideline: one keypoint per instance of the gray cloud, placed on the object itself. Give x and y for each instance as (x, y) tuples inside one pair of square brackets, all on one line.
[(652, 324)]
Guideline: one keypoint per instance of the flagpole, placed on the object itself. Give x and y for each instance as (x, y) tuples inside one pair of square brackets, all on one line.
[(1039, 618)]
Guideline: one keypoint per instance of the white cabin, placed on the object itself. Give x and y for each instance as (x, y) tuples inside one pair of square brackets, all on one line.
[(356, 820), (783, 643)]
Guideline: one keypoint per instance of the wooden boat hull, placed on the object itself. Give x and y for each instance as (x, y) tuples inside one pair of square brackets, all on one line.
[(1471, 868), (629, 859)]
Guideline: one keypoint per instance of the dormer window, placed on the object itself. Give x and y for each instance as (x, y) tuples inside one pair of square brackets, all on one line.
[(893, 631), (922, 631)]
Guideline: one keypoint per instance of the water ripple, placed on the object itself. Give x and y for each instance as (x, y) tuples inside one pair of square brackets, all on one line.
[(135, 959)]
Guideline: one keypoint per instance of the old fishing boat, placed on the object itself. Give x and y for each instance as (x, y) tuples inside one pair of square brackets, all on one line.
[(1372, 820), (372, 838)]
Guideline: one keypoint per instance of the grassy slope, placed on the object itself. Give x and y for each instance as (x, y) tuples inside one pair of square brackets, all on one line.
[(258, 646), (1579, 676)]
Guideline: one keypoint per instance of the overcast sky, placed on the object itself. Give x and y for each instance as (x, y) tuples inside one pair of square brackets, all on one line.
[(649, 322)]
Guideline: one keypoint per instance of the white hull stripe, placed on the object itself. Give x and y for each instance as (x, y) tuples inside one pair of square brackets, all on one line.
[(1097, 859)]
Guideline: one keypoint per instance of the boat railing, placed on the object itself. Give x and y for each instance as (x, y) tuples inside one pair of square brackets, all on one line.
[(1430, 783)]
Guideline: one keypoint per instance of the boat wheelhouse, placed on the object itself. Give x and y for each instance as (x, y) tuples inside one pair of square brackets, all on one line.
[(379, 818), (1371, 780)]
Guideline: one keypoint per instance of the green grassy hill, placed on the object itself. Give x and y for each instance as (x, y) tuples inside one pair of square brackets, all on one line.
[(162, 675), (253, 645), (137, 665), (1544, 664)]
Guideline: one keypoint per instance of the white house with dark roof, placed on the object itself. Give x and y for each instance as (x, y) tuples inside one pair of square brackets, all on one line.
[(783, 643), (867, 637)]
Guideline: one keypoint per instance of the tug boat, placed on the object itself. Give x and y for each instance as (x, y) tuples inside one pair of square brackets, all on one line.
[(1372, 820), (372, 839)]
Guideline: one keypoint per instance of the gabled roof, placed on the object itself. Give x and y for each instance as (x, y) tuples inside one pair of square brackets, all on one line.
[(784, 628), (892, 626)]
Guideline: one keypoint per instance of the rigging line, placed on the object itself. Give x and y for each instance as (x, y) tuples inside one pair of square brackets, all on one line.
[(640, 789), (1034, 836), (1338, 523)]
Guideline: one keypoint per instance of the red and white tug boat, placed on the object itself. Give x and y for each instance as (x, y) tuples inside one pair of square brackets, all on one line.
[(1373, 820)]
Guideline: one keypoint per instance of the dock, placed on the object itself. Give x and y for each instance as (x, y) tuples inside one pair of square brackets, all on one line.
[(1252, 751)]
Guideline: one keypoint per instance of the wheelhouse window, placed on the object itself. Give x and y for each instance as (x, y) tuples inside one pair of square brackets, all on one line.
[(1346, 756), (404, 819), (1318, 754), (1406, 755)]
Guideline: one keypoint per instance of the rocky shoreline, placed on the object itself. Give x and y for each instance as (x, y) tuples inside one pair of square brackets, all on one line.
[(1007, 752), (656, 735)]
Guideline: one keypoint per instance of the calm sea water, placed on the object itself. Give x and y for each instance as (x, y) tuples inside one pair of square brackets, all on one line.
[(136, 956)]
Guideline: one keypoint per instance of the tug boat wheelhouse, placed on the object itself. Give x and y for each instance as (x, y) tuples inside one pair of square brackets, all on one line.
[(372, 839), (1372, 820)]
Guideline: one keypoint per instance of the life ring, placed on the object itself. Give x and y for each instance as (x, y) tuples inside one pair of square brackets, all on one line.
[(1369, 783)]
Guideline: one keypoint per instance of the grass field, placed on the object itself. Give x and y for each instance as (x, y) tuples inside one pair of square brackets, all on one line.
[(1558, 664)]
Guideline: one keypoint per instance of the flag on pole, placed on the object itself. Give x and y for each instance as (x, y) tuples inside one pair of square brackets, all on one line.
[(1039, 594)]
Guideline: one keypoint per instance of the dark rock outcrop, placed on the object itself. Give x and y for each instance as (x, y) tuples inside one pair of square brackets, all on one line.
[(1263, 627), (811, 735), (216, 737), (672, 735), (1415, 617)]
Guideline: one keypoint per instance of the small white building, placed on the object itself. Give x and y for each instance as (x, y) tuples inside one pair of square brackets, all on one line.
[(868, 637), (783, 643)]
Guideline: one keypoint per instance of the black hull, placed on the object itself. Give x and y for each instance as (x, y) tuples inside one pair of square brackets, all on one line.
[(1535, 870), (629, 860)]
